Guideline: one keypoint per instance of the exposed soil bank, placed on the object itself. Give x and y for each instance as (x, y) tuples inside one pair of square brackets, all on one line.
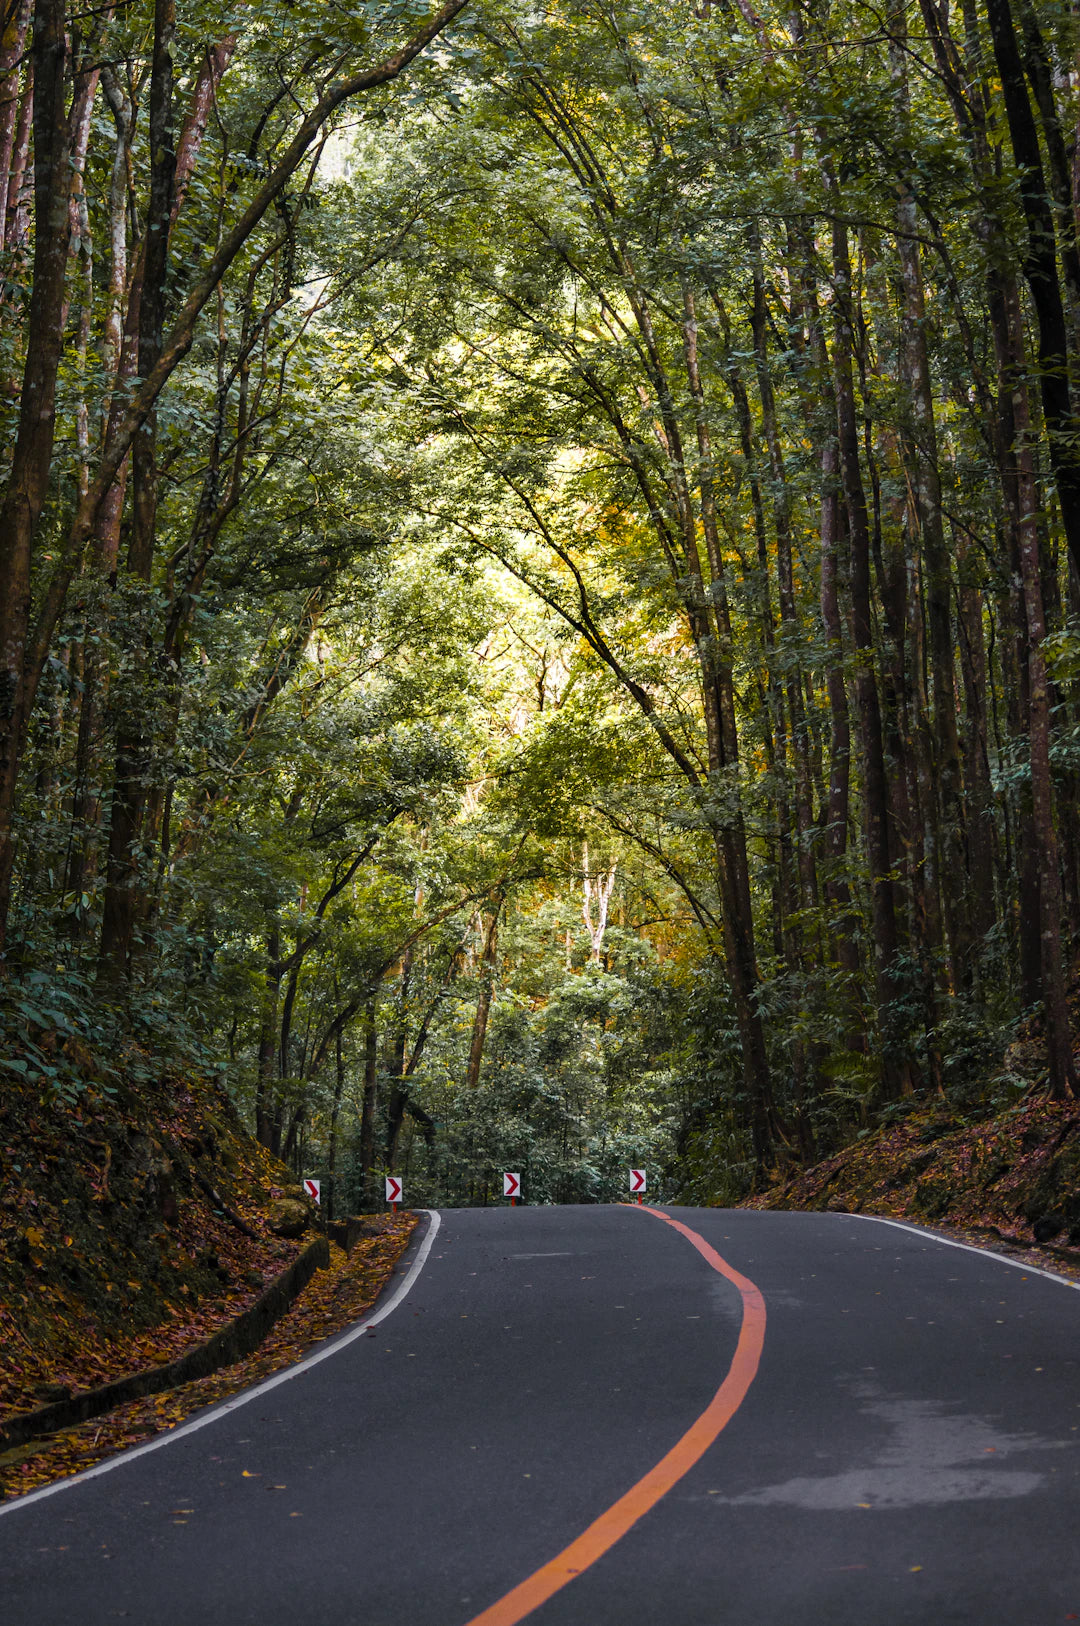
[(334, 1299), (133, 1225), (1016, 1175)]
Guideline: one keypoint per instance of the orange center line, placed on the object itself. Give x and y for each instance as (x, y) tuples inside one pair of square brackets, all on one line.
[(613, 1524)]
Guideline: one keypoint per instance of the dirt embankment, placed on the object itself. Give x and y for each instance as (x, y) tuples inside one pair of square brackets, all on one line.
[(1016, 1175), (132, 1225), (135, 1224), (334, 1299)]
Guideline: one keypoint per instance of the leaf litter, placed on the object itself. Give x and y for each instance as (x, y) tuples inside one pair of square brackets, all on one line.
[(332, 1301)]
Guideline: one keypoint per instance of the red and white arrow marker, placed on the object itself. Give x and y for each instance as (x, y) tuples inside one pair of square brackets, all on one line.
[(637, 1183), (394, 1184), (312, 1188), (512, 1188)]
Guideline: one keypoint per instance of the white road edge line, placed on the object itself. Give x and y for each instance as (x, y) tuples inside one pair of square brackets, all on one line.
[(983, 1253), (399, 1293)]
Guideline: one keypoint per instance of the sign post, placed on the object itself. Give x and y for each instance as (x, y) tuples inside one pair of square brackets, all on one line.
[(637, 1183), (511, 1188), (312, 1189), (394, 1184)]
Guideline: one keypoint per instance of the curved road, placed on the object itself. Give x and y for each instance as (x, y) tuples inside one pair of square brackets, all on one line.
[(905, 1451)]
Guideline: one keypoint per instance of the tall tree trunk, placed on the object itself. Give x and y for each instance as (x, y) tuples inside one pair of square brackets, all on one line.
[(89, 751), (1005, 322), (399, 1089), (926, 491), (789, 621), (12, 46), (715, 645), (980, 794), (32, 459), (133, 748), (371, 1083), (267, 1105), (837, 889), (895, 1071), (335, 1113), (483, 998), (1041, 273), (16, 219), (1063, 1077), (820, 410), (1039, 70)]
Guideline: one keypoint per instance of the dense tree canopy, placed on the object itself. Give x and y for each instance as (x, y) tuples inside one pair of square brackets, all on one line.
[(540, 571)]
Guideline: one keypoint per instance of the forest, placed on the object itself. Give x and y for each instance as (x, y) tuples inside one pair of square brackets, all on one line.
[(540, 577)]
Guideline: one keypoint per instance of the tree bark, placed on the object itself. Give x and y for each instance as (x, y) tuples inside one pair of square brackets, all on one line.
[(267, 1106), (715, 645), (12, 46), (335, 1113), (926, 492), (15, 219), (1041, 273), (1063, 1076), (895, 1075), (483, 998), (371, 1081), (979, 788), (27, 484), (124, 880), (789, 624)]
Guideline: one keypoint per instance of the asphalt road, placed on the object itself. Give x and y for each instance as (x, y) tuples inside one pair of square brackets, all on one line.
[(906, 1453)]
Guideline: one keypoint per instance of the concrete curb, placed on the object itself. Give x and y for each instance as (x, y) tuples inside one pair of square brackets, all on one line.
[(223, 1348)]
